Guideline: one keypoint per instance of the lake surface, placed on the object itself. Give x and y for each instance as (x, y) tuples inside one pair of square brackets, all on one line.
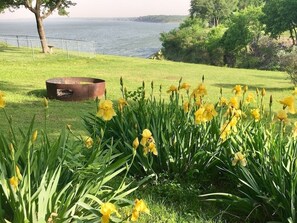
[(110, 36)]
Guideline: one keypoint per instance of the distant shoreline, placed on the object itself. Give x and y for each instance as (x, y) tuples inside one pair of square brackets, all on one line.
[(148, 18)]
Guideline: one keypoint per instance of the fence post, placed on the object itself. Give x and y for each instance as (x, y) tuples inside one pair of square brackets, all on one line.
[(33, 54), (18, 41), (67, 49)]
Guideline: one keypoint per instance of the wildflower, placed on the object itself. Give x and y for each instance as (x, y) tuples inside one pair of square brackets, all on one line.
[(198, 101), (152, 148), (135, 143), (45, 102), (14, 182), (237, 89), (245, 88), (295, 130), (139, 206), (263, 92), (34, 136), (199, 117), (228, 127), (209, 112), (249, 98), (225, 131), (106, 210), (199, 91), (185, 86), (105, 110), (52, 217), (172, 88), (122, 103), (2, 101), (223, 102), (148, 143), (233, 102), (288, 102), (146, 135), (88, 142), (239, 157), (186, 106), (18, 173), (256, 114), (282, 116)]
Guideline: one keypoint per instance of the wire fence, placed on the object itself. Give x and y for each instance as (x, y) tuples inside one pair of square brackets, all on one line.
[(70, 46)]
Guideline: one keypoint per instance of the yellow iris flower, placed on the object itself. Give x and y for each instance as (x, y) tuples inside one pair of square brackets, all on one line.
[(199, 117), (105, 110), (223, 102), (256, 114), (135, 143), (233, 102), (199, 91), (172, 88), (185, 86), (237, 90), (186, 106), (288, 102), (209, 112), (106, 210), (239, 157), (282, 116), (139, 206), (2, 101), (88, 142), (122, 103), (14, 182), (34, 136), (249, 98), (148, 142)]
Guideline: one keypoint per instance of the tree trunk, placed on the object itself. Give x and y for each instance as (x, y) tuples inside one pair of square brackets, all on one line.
[(41, 33)]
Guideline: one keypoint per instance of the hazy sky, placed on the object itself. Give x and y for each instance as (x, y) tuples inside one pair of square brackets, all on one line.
[(115, 8)]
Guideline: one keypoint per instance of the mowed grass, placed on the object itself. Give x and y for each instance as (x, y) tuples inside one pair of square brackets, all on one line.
[(23, 75)]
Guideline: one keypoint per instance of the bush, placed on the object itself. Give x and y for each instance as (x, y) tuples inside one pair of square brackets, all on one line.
[(64, 181), (183, 147), (288, 63), (193, 43)]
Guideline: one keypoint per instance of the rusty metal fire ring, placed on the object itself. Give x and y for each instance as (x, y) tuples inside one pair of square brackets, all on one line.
[(75, 88)]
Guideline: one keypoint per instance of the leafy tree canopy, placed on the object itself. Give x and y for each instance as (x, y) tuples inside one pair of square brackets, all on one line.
[(41, 10), (280, 16), (214, 11)]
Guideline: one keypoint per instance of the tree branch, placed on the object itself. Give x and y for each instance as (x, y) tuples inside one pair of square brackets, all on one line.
[(28, 5), (50, 11)]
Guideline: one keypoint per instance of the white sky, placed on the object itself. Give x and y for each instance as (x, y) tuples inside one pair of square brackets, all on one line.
[(115, 8)]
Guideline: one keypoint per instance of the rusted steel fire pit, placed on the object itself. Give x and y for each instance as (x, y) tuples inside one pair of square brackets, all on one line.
[(75, 88)]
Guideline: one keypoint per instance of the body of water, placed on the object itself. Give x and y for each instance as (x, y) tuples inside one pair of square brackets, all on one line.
[(111, 36)]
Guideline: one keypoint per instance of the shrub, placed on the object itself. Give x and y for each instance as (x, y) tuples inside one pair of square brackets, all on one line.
[(289, 64), (64, 181), (183, 147), (261, 158)]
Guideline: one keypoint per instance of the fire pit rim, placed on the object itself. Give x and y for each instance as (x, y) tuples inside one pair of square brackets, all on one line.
[(71, 88)]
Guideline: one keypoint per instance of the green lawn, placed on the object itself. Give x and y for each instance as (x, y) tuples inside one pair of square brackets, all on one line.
[(23, 77)]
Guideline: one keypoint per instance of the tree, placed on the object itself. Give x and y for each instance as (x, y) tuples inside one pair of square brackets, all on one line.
[(280, 16), (212, 11), (41, 10), (244, 28)]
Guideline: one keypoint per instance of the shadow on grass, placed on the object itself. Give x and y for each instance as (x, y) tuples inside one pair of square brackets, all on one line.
[(39, 93), (254, 87)]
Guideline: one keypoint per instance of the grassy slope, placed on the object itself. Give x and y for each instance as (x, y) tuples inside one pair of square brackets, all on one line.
[(23, 80)]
